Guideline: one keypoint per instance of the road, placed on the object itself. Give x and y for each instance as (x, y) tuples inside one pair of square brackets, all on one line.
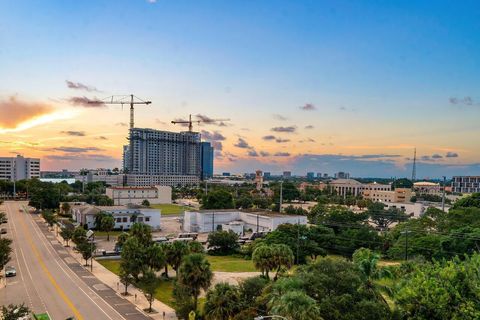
[(49, 279)]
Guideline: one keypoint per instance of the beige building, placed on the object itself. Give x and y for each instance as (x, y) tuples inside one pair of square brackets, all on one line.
[(399, 195), (136, 195), (425, 187)]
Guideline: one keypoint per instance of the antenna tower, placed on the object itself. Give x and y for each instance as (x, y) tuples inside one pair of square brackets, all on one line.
[(414, 168)]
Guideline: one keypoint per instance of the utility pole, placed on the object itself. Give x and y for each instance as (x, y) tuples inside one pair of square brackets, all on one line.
[(257, 222), (298, 238), (443, 195), (281, 196)]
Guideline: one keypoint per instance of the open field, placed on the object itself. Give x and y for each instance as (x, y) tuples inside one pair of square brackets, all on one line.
[(170, 209)]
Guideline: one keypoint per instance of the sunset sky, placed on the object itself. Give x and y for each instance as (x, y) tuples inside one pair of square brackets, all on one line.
[(319, 86)]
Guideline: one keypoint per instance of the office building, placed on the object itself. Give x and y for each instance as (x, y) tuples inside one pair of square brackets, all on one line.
[(466, 184), (100, 175), (155, 152), (19, 168), (319, 174), (342, 175), (310, 175), (206, 160), (287, 174), (145, 180), (126, 157), (267, 175), (136, 195)]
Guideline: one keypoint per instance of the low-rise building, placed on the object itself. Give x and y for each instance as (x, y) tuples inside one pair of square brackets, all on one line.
[(19, 168), (101, 175), (136, 195), (125, 216), (466, 184), (212, 220), (161, 180), (416, 209), (425, 187), (400, 195)]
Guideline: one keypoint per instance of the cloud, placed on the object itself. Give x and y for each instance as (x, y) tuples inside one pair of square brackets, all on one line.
[(75, 149), (252, 153), (290, 129), (264, 153), (308, 107), (158, 121), (436, 156), (277, 116), (468, 101), (309, 127), (86, 102), (307, 140), (15, 112), (212, 136), (207, 120), (451, 155), (80, 157), (121, 124), (101, 138), (80, 86), (74, 133), (242, 144), (269, 137), (152, 1), (281, 154), (280, 140)]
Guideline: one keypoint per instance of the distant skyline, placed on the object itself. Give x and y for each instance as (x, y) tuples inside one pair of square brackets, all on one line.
[(320, 86)]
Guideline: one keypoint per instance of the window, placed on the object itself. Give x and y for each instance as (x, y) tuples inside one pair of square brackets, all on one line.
[(119, 220), (125, 219), (147, 219), (140, 219)]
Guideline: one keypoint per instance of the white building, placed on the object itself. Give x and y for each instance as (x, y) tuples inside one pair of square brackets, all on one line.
[(211, 220), (19, 168), (416, 209), (124, 216), (136, 195), (466, 184), (101, 175), (427, 187), (161, 180)]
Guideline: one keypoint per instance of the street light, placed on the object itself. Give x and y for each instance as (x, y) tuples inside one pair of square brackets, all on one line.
[(91, 234), (269, 317)]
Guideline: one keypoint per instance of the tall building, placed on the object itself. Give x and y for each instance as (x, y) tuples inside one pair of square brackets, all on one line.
[(155, 152), (207, 160), (310, 175), (466, 184), (267, 175), (287, 174), (19, 168), (126, 155), (342, 175)]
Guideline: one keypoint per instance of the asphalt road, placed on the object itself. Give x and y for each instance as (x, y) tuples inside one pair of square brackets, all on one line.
[(50, 280)]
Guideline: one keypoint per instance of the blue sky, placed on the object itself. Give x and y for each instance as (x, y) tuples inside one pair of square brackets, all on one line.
[(383, 77)]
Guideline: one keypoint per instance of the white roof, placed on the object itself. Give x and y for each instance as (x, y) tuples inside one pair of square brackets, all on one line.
[(345, 181)]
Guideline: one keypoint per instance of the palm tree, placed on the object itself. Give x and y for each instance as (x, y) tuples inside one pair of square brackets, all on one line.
[(282, 257), (175, 254), (195, 274), (296, 305), (222, 303), (107, 224), (367, 263), (262, 258), (155, 257)]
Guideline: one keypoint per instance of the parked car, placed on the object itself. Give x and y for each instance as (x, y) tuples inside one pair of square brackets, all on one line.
[(192, 235), (10, 271), (252, 237), (3, 231)]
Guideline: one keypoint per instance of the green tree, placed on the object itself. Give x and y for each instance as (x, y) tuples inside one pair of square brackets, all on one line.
[(222, 302), (86, 249), (5, 251), (296, 305), (15, 312), (66, 233), (175, 253), (3, 218), (133, 257), (282, 258), (262, 258), (125, 276), (155, 257), (441, 290), (79, 235), (244, 202), (223, 242), (468, 202), (65, 207), (146, 203), (107, 224), (143, 233), (182, 300), (218, 199), (195, 247), (148, 284), (250, 289), (402, 183), (195, 274), (384, 218)]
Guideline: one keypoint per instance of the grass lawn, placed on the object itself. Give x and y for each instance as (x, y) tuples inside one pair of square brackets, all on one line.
[(230, 264), (112, 265), (170, 209), (104, 234)]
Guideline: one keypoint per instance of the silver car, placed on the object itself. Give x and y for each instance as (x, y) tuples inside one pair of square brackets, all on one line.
[(10, 271)]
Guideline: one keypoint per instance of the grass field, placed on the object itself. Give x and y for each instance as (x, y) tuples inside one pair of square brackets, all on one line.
[(112, 265), (170, 209), (230, 264)]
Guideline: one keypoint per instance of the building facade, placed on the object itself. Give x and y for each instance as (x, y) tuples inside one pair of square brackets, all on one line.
[(342, 175), (136, 195), (101, 175), (466, 184), (19, 168), (155, 152), (142, 180), (207, 157)]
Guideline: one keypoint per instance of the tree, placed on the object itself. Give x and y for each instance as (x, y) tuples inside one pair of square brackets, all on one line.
[(195, 274), (262, 258), (133, 257), (175, 253), (155, 257), (122, 237), (66, 233), (86, 249), (441, 290), (244, 202), (367, 262), (125, 276), (223, 242), (3, 218), (146, 203), (182, 300), (5, 251), (218, 199), (195, 247), (107, 224), (384, 218), (15, 312), (296, 305), (65, 208), (282, 258), (222, 302), (79, 235), (143, 233), (402, 183), (148, 284), (250, 289), (471, 201)]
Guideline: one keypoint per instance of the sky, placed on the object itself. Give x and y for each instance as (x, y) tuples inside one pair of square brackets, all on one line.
[(320, 86)]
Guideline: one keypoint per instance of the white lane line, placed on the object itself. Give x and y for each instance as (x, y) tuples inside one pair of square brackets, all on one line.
[(56, 258)]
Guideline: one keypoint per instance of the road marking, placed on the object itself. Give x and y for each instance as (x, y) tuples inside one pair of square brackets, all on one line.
[(49, 275)]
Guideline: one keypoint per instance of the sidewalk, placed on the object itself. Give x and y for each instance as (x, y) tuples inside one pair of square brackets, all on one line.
[(112, 280)]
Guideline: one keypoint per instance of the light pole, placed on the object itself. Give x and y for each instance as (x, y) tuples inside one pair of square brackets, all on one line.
[(281, 196)]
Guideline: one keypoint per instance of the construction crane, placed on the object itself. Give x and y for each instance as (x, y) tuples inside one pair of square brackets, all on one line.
[(123, 99), (190, 121)]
